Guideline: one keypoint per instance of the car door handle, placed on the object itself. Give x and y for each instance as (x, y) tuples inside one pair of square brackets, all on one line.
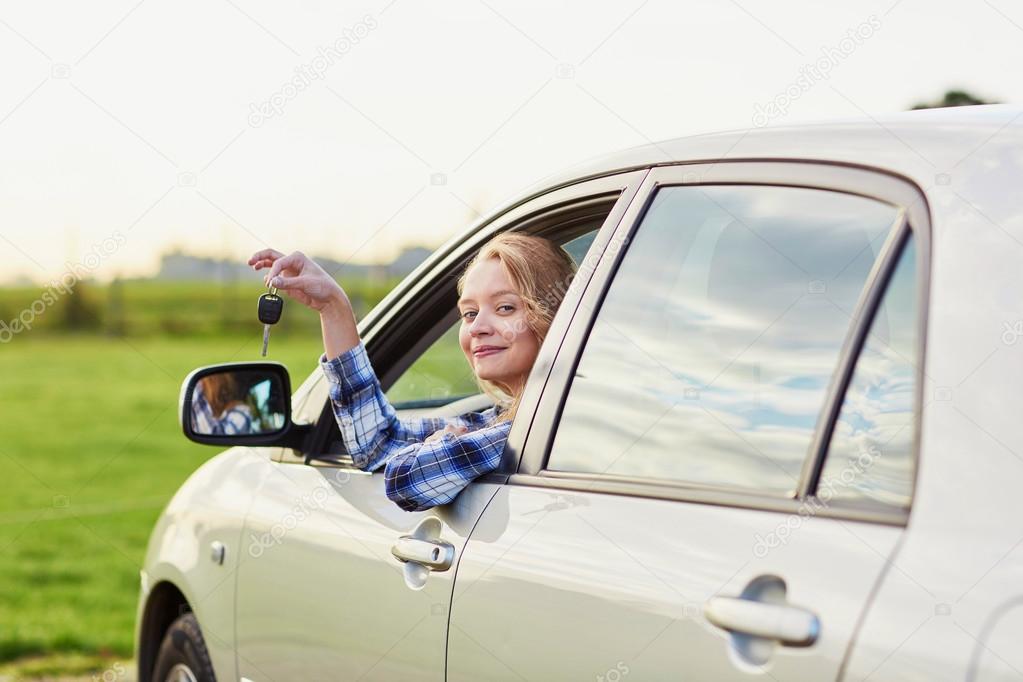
[(436, 555), (788, 625)]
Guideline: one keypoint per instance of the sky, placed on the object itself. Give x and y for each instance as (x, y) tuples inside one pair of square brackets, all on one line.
[(352, 130)]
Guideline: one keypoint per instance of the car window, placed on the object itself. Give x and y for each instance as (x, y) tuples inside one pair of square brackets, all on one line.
[(438, 376), (578, 247), (870, 458), (442, 374), (709, 359)]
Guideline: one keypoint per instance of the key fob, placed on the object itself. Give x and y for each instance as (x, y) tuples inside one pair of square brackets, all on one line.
[(270, 308)]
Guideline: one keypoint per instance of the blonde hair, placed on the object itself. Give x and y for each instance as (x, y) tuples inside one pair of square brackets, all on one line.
[(222, 392), (541, 272)]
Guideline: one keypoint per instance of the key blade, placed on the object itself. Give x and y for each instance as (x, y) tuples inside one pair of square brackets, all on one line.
[(266, 338)]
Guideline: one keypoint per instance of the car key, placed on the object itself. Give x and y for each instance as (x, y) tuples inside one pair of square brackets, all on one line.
[(270, 307)]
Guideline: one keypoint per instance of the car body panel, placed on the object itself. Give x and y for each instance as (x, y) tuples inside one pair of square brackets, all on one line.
[(572, 585), (960, 567), (318, 547)]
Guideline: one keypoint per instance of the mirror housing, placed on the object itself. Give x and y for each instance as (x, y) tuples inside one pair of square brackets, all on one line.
[(240, 403)]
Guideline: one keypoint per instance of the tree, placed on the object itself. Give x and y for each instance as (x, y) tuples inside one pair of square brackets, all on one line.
[(953, 98), (80, 311)]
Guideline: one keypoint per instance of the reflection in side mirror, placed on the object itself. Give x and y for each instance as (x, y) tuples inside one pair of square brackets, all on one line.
[(243, 403), (238, 403)]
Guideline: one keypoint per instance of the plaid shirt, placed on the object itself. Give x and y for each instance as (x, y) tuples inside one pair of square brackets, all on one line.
[(235, 421), (417, 475)]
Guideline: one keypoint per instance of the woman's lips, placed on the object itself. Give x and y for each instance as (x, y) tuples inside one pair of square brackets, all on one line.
[(486, 351)]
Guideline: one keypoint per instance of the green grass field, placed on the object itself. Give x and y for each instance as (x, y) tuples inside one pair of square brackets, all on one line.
[(92, 451)]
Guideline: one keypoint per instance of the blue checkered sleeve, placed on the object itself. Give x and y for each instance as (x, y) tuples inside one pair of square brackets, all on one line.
[(427, 474), (417, 475), (235, 421)]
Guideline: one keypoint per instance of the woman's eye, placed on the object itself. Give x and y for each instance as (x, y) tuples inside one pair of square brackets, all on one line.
[(467, 313)]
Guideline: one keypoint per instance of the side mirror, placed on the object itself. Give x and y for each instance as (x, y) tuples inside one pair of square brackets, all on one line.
[(240, 403)]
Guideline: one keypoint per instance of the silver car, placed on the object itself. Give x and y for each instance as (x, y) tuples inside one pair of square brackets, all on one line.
[(774, 432)]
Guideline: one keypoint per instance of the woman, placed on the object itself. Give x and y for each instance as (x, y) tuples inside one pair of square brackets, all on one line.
[(218, 408), (508, 295)]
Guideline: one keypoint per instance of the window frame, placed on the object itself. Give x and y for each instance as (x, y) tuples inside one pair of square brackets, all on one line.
[(873, 296), (422, 307), (872, 183)]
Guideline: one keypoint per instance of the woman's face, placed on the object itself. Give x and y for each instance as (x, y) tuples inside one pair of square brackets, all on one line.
[(493, 316)]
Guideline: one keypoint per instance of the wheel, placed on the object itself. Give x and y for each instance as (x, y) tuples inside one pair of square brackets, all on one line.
[(183, 656)]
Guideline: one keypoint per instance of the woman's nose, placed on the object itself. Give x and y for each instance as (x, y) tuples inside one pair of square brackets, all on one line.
[(480, 325)]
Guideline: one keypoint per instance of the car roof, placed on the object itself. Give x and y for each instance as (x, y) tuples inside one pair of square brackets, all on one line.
[(916, 144)]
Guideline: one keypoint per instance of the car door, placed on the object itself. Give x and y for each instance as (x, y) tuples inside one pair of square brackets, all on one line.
[(321, 594), (722, 459)]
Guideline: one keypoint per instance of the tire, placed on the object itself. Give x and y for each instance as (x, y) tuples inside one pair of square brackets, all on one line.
[(183, 656)]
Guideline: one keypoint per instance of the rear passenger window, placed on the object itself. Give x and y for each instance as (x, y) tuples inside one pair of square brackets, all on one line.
[(870, 459), (710, 356)]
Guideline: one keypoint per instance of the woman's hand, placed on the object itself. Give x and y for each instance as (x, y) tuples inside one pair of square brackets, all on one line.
[(300, 278), (450, 428)]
